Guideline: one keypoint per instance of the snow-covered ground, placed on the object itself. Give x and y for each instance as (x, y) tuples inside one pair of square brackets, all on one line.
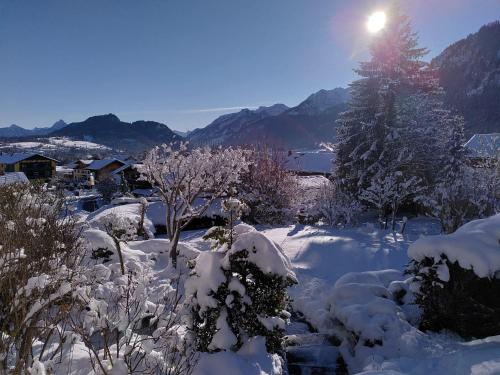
[(320, 256), (349, 284), (52, 143)]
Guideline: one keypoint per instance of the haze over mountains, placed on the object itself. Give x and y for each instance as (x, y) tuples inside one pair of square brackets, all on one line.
[(469, 73)]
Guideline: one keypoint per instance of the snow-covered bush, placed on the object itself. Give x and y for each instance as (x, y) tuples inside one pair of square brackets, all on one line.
[(335, 206), (387, 193), (268, 188), (39, 252), (131, 323), (233, 208), (469, 193), (459, 277), (189, 181), (374, 311), (240, 292)]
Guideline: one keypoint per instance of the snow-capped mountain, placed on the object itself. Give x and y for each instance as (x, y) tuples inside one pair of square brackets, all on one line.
[(15, 131), (469, 72), (228, 126), (306, 125), (321, 101)]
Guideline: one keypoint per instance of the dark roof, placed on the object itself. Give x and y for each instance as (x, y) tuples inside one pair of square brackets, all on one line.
[(17, 157)]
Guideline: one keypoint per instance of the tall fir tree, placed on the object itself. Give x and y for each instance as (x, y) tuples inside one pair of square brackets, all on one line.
[(396, 124)]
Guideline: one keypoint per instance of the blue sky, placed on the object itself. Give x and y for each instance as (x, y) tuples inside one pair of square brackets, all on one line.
[(185, 62)]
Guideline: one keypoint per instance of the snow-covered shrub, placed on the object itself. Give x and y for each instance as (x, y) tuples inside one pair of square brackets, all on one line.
[(471, 193), (268, 188), (387, 193), (233, 208), (133, 215), (240, 292), (374, 310), (39, 252), (131, 323), (335, 206), (459, 277)]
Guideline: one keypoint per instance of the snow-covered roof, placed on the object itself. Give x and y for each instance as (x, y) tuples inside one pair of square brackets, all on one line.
[(319, 161), (17, 157), (13, 178), (484, 145), (100, 164)]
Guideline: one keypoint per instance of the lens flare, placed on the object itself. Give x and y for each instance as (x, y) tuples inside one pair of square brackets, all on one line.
[(376, 22)]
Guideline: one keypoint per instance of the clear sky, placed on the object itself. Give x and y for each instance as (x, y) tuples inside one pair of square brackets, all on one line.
[(185, 62)]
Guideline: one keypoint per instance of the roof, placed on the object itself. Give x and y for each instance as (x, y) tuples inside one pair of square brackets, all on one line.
[(17, 157), (126, 166), (484, 145), (10, 178), (97, 165), (319, 161)]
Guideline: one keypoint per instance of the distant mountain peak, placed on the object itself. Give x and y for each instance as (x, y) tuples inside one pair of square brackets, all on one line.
[(110, 117), (321, 101)]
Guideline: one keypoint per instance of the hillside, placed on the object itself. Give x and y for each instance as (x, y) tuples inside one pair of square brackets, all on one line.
[(109, 130), (470, 75)]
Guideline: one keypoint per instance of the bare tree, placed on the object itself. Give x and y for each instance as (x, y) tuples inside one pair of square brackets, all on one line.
[(269, 188), (189, 181)]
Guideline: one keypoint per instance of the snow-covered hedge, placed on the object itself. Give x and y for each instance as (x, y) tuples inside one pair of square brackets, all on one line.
[(240, 292), (459, 277)]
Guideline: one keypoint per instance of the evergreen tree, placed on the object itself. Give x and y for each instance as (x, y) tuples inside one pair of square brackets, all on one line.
[(396, 125)]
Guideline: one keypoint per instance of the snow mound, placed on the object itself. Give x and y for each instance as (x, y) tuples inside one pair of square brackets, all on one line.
[(475, 246), (363, 303), (131, 211), (263, 253), (97, 239)]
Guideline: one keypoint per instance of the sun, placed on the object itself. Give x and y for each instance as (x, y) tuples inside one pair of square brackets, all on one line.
[(376, 22)]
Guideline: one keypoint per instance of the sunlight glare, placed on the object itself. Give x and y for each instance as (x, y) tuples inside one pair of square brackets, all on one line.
[(376, 22)]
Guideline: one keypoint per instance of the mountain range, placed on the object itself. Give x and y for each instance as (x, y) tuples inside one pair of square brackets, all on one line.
[(304, 126), (15, 131)]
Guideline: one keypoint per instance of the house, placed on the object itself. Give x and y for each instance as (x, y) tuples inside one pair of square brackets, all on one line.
[(103, 168), (36, 167), (131, 174), (80, 173), (10, 178), (483, 149)]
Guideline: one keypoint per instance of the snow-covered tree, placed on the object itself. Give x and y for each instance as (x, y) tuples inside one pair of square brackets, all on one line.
[(240, 292), (189, 181), (268, 188), (396, 122), (335, 206), (388, 192)]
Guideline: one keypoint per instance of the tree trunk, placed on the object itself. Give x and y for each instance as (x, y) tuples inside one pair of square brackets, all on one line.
[(173, 246), (120, 255)]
